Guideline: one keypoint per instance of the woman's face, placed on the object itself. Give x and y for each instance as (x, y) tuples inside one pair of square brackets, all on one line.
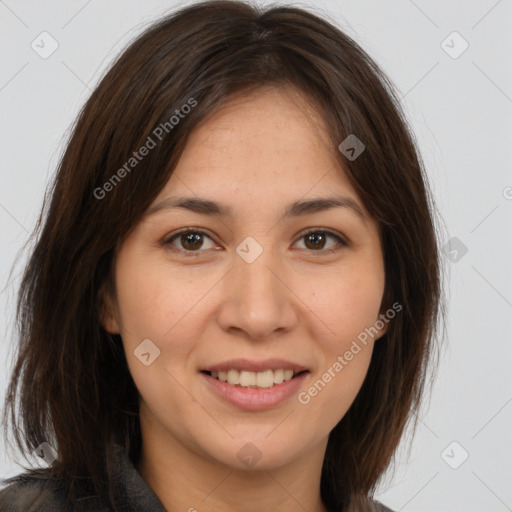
[(249, 290)]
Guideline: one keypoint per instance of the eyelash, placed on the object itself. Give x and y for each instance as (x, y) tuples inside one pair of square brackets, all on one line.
[(341, 242)]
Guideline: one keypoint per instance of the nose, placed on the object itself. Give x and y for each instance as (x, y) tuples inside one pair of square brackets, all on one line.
[(257, 299)]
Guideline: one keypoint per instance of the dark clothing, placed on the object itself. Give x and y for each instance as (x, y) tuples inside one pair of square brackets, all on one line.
[(31, 493)]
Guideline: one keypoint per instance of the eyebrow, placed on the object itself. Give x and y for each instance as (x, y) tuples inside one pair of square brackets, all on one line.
[(295, 209)]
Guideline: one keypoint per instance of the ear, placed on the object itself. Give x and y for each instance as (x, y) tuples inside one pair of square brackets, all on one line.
[(107, 309), (382, 324)]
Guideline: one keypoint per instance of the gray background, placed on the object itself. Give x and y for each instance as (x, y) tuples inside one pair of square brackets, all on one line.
[(461, 111)]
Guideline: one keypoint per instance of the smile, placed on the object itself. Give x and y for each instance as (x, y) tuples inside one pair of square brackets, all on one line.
[(248, 379), (252, 397)]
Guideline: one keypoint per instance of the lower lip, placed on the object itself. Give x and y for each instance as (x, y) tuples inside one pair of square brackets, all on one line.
[(252, 399)]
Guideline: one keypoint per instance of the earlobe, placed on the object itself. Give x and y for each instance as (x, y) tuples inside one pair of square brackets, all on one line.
[(382, 332), (110, 326), (106, 312), (382, 325)]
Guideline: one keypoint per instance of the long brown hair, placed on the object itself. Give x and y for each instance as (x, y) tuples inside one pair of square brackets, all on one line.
[(71, 377)]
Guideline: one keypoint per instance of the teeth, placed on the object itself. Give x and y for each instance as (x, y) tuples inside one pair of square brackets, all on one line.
[(233, 377), (265, 379), (247, 379), (278, 376), (288, 374)]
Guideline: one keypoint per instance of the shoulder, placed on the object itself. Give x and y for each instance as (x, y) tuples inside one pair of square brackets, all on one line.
[(32, 491), (37, 491), (361, 503), (379, 507)]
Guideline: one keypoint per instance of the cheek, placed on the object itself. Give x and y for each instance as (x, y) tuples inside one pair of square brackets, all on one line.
[(155, 305), (157, 302), (346, 350), (346, 305), (156, 298), (346, 310), (329, 395)]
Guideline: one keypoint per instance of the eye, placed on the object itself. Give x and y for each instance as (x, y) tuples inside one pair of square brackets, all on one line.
[(192, 241), (315, 239)]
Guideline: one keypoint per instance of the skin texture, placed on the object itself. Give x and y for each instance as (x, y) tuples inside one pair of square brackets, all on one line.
[(258, 154)]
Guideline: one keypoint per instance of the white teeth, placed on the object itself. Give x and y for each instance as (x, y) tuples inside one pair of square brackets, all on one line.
[(265, 379), (278, 376), (233, 377), (247, 378)]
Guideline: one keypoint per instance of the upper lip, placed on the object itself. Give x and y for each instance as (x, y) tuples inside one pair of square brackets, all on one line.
[(255, 366)]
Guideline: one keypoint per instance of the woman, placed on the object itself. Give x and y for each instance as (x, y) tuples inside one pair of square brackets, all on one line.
[(235, 289)]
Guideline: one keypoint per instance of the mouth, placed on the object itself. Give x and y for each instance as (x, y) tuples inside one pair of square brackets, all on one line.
[(255, 386), (256, 380)]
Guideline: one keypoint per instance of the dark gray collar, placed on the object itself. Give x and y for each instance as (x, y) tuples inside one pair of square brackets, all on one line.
[(132, 493)]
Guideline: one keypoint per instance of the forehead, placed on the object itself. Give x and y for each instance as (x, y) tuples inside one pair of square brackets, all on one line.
[(271, 142), (267, 122)]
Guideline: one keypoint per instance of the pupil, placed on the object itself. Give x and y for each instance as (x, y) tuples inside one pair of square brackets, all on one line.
[(316, 238), (194, 239)]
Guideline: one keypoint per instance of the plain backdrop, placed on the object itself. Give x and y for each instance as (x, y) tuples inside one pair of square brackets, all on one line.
[(459, 103)]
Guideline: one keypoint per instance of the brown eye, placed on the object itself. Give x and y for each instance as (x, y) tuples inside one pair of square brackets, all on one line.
[(316, 241), (190, 242)]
